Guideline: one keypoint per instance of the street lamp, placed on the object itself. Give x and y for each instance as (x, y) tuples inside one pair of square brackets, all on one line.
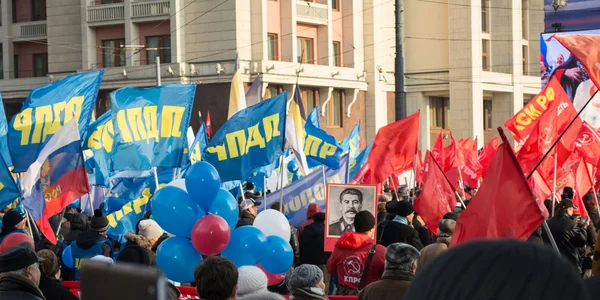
[(556, 4)]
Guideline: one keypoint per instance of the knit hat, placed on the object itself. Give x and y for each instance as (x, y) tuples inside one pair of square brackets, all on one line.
[(305, 276), (400, 256), (364, 221), (149, 229), (50, 266), (251, 280), (99, 222), (11, 219), (103, 258), (520, 271), (446, 228), (391, 207), (404, 208), (451, 216)]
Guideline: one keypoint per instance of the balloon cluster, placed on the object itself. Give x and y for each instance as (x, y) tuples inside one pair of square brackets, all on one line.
[(202, 216)]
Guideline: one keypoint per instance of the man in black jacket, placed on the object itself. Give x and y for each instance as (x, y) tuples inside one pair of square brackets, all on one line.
[(312, 243), (568, 234), (400, 230), (20, 274), (248, 212)]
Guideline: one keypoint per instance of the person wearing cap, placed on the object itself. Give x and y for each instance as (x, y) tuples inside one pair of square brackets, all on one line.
[(91, 243), (249, 193), (306, 283), (50, 285), (445, 230), (399, 230), (350, 255), (20, 274), (13, 221), (400, 267), (150, 230), (252, 284), (569, 235), (248, 212)]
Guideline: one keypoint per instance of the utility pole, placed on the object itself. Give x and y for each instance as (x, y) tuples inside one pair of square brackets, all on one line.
[(399, 64), (158, 79)]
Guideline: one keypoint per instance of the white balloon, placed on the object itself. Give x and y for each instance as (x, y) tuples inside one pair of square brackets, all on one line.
[(180, 183), (272, 222)]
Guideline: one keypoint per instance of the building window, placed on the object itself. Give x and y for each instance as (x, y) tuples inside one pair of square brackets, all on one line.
[(273, 46), (273, 90), (524, 13), (335, 4), (438, 112), (524, 58), (114, 56), (487, 114), (484, 16), (305, 50), (309, 99), (111, 1), (16, 66), (333, 116), (38, 9), (337, 53), (1, 63), (40, 64), (485, 55), (14, 11), (163, 43)]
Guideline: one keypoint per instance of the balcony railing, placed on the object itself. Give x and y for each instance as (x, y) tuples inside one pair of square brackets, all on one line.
[(106, 12), (141, 9), (34, 29), (312, 12)]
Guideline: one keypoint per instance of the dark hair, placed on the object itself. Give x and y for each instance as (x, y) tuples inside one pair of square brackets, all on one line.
[(352, 191), (216, 278), (276, 206)]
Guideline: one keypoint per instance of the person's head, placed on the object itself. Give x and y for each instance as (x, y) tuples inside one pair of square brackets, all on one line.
[(560, 60), (568, 193), (50, 267), (12, 221), (250, 187), (446, 229), (72, 209), (381, 207), (589, 197), (21, 260), (136, 254), (385, 197), (364, 222), (450, 216), (104, 259), (402, 191), (251, 280), (99, 223), (568, 206), (401, 257), (312, 209), (391, 208), (250, 206), (511, 269), (150, 230), (306, 276), (319, 217), (543, 67), (276, 206), (216, 278), (350, 204), (405, 209)]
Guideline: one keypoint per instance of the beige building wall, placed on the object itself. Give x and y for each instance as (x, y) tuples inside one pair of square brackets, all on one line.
[(64, 30)]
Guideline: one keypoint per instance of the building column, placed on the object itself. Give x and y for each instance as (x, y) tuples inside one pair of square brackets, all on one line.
[(88, 37), (420, 101), (325, 40), (132, 37), (260, 50), (288, 31), (177, 36), (376, 97), (352, 22), (7, 44)]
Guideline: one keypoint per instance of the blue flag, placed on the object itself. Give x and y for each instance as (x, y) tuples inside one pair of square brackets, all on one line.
[(9, 192), (250, 139), (199, 145), (309, 189), (313, 117), (98, 146), (46, 110), (351, 143), (150, 125), (4, 152), (320, 147), (359, 161)]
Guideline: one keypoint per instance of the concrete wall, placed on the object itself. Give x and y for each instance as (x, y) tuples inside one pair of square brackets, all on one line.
[(64, 30), (426, 28)]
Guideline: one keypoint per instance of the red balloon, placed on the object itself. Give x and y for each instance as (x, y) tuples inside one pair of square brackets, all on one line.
[(210, 235), (13, 239), (272, 279)]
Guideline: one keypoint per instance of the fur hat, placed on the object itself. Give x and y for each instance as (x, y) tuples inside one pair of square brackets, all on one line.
[(400, 256), (446, 227)]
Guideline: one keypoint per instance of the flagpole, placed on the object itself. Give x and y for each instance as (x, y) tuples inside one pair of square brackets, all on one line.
[(281, 185), (62, 214), (265, 190), (155, 178), (395, 187), (554, 184), (324, 177), (460, 199), (414, 174), (462, 184)]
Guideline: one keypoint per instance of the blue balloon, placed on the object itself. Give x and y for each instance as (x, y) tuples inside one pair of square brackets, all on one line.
[(174, 211), (67, 257), (226, 207), (202, 182), (278, 255), (177, 257), (246, 246), (292, 166)]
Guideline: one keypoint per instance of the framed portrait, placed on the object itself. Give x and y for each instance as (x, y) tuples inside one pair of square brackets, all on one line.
[(342, 203)]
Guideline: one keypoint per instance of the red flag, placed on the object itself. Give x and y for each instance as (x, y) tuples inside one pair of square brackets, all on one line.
[(487, 153), (437, 197), (419, 168), (450, 155), (585, 48), (504, 206), (438, 149), (208, 126), (539, 187), (588, 144), (583, 184), (469, 164), (393, 151)]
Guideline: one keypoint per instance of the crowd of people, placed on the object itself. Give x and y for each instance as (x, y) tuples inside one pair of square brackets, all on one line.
[(388, 256)]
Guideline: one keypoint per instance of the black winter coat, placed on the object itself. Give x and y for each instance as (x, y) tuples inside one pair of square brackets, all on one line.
[(569, 236), (16, 287), (246, 219), (312, 243), (389, 232), (54, 290)]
